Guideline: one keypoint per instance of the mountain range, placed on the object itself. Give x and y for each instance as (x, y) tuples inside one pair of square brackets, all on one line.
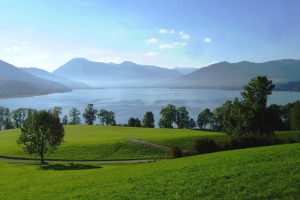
[(52, 77), (80, 73), (126, 74), (225, 75), (17, 82)]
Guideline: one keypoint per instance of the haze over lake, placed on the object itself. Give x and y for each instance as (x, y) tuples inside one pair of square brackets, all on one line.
[(134, 102)]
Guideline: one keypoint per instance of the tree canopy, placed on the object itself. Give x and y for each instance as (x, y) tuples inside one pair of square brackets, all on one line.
[(41, 132)]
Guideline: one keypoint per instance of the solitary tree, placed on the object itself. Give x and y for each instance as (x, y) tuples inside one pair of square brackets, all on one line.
[(89, 114), (107, 117), (168, 116), (182, 117), (41, 132), (148, 120), (204, 118), (74, 115)]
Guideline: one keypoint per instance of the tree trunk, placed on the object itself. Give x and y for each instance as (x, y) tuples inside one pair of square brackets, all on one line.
[(42, 157)]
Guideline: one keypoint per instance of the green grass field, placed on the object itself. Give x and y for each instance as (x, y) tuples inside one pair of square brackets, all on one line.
[(96, 142), (110, 143), (257, 173)]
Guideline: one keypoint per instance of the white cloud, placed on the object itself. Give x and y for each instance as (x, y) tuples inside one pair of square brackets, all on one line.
[(152, 53), (179, 44), (166, 46), (207, 40), (184, 35), (164, 31), (151, 41)]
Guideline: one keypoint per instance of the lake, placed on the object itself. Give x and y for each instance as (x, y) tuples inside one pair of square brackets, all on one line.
[(131, 102)]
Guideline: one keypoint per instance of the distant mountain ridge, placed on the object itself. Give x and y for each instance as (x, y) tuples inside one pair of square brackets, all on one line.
[(185, 70), (17, 82), (52, 77), (110, 74), (225, 75)]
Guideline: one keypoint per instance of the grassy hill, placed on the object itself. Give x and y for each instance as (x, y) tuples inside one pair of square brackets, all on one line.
[(98, 142), (110, 143), (257, 173)]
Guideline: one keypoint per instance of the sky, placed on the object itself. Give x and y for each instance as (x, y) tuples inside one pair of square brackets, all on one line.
[(166, 33)]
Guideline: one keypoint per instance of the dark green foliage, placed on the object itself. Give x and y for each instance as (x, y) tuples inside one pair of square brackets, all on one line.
[(192, 123), (294, 116), (168, 116), (251, 141), (182, 117), (131, 122), (5, 119), (177, 152), (41, 132), (64, 120), (20, 115), (206, 145), (138, 122), (204, 118), (255, 96), (89, 114), (107, 117), (74, 116), (148, 120), (134, 122), (250, 115), (56, 111)]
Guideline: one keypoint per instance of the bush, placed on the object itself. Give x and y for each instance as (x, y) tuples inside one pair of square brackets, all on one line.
[(249, 141), (177, 152), (206, 145)]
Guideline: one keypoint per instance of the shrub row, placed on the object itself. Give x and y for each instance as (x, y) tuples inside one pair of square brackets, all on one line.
[(208, 145)]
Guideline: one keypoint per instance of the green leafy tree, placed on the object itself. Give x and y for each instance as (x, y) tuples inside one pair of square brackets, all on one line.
[(192, 123), (89, 114), (19, 116), (131, 122), (64, 120), (294, 116), (6, 119), (107, 117), (138, 122), (148, 120), (167, 116), (41, 132), (56, 111), (74, 115), (255, 97), (204, 118), (249, 116), (2, 110), (182, 117)]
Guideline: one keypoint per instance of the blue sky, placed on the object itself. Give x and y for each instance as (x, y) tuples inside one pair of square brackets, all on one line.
[(167, 33)]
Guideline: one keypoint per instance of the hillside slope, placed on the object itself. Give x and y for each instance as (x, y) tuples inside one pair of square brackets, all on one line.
[(236, 75), (256, 173), (17, 82), (52, 77)]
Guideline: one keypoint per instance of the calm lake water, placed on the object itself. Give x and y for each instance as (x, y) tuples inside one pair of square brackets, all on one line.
[(128, 103)]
